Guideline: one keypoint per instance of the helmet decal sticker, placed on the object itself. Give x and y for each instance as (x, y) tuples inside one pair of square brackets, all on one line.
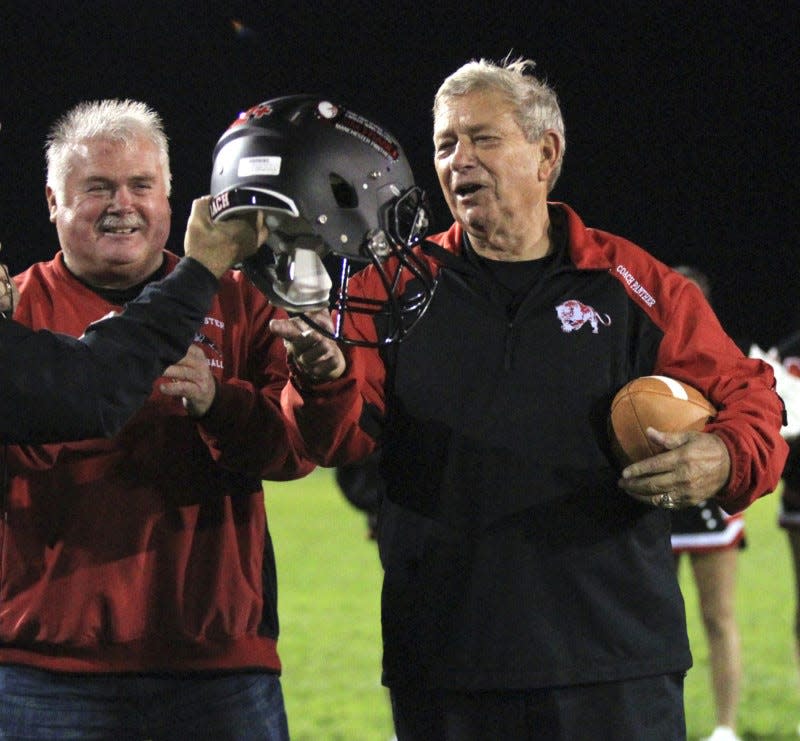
[(257, 111), (327, 109), (219, 203), (358, 126), (249, 166)]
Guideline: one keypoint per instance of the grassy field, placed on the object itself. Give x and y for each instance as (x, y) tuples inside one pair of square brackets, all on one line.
[(328, 598), (770, 705), (329, 585)]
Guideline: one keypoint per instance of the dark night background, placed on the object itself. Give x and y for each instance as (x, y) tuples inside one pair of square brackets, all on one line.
[(681, 117)]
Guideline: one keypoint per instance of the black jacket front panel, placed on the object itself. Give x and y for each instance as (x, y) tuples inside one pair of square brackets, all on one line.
[(503, 497)]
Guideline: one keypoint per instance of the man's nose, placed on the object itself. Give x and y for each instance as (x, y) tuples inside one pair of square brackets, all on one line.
[(463, 154), (122, 198)]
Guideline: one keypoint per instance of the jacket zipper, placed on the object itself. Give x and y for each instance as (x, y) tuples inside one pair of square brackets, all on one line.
[(509, 349)]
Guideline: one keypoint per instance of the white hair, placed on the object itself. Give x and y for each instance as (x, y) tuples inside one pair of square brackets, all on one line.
[(535, 103), (117, 120)]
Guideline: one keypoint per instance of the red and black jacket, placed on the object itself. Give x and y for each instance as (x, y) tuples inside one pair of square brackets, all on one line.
[(512, 559), (150, 551)]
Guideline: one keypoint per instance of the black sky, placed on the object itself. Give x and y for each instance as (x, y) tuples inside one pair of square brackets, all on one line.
[(681, 117)]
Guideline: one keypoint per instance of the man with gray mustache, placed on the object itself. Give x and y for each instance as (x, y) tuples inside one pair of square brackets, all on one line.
[(138, 579)]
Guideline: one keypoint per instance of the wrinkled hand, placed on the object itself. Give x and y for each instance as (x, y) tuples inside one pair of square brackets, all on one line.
[(9, 295), (693, 468), (193, 381), (221, 244), (317, 357)]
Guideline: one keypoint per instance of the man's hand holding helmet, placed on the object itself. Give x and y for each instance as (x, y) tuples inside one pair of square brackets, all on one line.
[(315, 356), (220, 245)]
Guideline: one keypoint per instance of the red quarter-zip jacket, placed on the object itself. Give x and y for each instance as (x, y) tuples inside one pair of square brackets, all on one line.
[(150, 551)]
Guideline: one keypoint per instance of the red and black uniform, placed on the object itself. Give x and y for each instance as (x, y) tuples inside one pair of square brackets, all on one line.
[(789, 512), (706, 527), (150, 552), (512, 560), (55, 387)]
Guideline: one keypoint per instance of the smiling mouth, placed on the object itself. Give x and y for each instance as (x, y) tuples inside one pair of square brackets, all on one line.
[(119, 229)]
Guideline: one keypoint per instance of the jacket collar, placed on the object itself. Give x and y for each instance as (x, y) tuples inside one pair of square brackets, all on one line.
[(585, 246)]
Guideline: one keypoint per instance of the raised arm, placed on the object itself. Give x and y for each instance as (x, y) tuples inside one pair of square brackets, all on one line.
[(57, 388)]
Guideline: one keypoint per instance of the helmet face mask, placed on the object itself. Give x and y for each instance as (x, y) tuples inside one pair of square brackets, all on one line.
[(333, 186)]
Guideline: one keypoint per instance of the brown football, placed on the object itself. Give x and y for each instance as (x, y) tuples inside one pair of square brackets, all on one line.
[(653, 401)]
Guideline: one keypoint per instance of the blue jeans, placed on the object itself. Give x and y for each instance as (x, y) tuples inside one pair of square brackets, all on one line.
[(43, 705)]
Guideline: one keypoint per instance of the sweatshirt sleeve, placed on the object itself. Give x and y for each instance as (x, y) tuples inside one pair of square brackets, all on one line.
[(57, 388), (695, 349)]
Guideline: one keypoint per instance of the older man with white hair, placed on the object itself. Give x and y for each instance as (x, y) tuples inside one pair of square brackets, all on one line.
[(529, 587)]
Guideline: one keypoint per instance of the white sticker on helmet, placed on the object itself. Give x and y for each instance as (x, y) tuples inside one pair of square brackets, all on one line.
[(327, 110), (249, 166)]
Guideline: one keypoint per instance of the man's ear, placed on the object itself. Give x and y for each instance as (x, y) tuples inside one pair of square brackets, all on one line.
[(52, 205), (549, 154)]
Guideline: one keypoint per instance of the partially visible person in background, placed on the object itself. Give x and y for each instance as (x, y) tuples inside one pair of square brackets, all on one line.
[(712, 539), (789, 520), (788, 353)]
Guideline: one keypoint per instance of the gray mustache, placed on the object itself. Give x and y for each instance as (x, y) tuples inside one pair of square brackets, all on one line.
[(115, 223)]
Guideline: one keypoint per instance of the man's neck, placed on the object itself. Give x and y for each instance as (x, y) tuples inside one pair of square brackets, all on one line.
[(509, 250), (121, 294)]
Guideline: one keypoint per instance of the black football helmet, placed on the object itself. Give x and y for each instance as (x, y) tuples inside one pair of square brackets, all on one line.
[(338, 194)]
